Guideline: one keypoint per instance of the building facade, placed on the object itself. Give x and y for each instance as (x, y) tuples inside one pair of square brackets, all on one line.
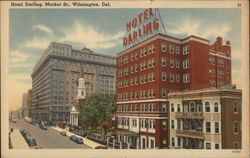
[(29, 97), (55, 79), (25, 105), (149, 70), (205, 119)]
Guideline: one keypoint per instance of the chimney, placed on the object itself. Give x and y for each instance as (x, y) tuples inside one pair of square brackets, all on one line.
[(219, 40), (228, 43)]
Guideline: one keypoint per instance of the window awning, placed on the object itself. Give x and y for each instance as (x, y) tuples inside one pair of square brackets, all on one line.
[(127, 133)]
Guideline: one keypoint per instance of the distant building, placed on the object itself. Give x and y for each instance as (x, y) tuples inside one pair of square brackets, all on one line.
[(25, 105), (55, 79), (205, 119), (29, 97)]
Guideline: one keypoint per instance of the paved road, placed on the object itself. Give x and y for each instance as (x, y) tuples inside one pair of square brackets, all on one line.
[(48, 139)]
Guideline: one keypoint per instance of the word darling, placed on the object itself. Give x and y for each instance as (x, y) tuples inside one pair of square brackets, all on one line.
[(140, 26)]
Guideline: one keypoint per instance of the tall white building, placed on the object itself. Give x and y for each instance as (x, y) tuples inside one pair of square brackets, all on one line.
[(81, 89)]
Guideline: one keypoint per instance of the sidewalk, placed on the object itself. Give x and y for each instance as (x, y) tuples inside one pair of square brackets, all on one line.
[(17, 140), (86, 141)]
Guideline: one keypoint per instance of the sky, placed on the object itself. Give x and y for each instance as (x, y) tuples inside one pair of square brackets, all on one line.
[(102, 30)]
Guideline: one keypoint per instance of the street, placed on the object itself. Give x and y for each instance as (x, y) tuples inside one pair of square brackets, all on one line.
[(47, 139)]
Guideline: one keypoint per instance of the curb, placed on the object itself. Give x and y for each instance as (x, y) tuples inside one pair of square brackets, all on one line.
[(86, 141)]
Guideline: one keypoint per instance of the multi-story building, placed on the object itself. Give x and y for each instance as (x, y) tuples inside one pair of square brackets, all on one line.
[(25, 104), (29, 97), (205, 119), (149, 70), (55, 79)]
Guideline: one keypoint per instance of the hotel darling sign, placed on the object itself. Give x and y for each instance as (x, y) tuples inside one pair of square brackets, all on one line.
[(140, 26)]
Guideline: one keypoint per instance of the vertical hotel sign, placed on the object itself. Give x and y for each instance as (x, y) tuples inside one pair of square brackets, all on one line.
[(140, 26)]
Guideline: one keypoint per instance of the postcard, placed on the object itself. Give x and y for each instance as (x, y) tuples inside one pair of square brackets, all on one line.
[(124, 79)]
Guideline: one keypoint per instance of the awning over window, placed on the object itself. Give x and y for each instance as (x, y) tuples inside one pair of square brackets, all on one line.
[(127, 133)]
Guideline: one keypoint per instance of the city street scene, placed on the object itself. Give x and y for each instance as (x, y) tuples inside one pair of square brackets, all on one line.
[(143, 78)]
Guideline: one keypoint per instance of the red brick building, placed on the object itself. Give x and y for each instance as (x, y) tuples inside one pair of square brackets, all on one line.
[(151, 69)]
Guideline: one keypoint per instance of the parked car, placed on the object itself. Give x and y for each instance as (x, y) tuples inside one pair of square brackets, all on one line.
[(43, 127), (14, 121), (31, 141), (23, 131), (33, 122), (76, 139), (49, 124), (101, 147), (63, 133)]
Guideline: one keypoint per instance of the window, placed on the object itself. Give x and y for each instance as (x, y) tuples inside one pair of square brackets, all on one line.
[(153, 76), (132, 82), (149, 49), (208, 145), (164, 107), (149, 63), (171, 49), (217, 146), (185, 50), (208, 126), (153, 62), (132, 69), (212, 60), (207, 107), (216, 107), (132, 57), (178, 124), (179, 141), (136, 80), (172, 63), (171, 77), (216, 127), (152, 142), (153, 48), (153, 93), (172, 124), (177, 50), (163, 47), (236, 145), (236, 127), (164, 125), (136, 68), (177, 78), (172, 107), (163, 92), (235, 107), (177, 63), (185, 64), (163, 61), (173, 141), (163, 76), (186, 78), (192, 107), (151, 124), (178, 108)]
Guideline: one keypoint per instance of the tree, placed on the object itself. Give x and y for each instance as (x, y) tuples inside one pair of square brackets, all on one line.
[(98, 109)]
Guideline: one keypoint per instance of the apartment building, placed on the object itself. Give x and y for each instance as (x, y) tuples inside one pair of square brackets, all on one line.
[(205, 119)]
